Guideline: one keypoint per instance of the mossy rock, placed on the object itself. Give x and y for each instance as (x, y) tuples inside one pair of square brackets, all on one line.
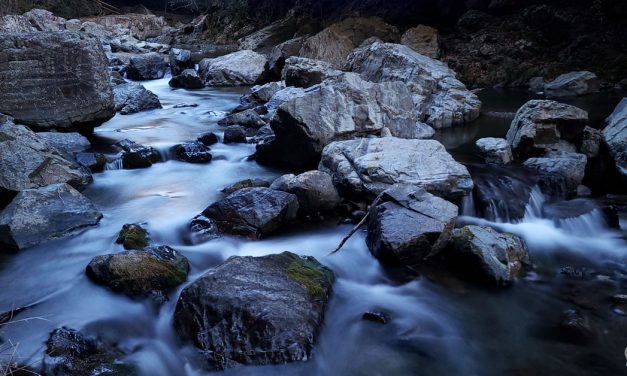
[(133, 236), (312, 275), (136, 273)]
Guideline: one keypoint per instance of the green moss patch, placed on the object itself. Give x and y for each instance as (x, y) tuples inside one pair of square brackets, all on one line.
[(310, 274)]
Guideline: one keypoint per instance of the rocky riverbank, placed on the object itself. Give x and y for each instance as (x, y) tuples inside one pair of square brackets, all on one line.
[(349, 108)]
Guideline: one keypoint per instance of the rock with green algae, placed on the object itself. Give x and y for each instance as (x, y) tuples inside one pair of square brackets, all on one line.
[(136, 273), (255, 310), (133, 236)]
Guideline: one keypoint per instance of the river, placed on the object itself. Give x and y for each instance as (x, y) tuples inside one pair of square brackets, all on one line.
[(439, 325)]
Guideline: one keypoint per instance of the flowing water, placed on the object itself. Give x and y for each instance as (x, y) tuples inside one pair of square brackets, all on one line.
[(439, 325)]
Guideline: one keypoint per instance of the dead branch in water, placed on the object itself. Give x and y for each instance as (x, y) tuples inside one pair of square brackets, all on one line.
[(351, 233)]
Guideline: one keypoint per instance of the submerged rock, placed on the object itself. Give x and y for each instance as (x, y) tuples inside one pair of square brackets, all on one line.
[(486, 255), (252, 212), (132, 97), (615, 137), (314, 189), (28, 161), (572, 84), (133, 236), (275, 321), (239, 68), (69, 352), (366, 167), (139, 272), (135, 155), (541, 125), (150, 66), (440, 99), (407, 225), (495, 150), (188, 79), (192, 152), (39, 215), (36, 65)]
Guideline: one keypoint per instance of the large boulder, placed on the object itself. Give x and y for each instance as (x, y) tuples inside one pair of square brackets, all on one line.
[(63, 75), (337, 41), (422, 39), (572, 84), (28, 161), (150, 66), (237, 69), (560, 172), (281, 52), (250, 212), (140, 272), (543, 125), (69, 352), (368, 166), (38, 215), (408, 225), (132, 97), (314, 189), (340, 108), (615, 137), (275, 321), (486, 255), (441, 100), (304, 72)]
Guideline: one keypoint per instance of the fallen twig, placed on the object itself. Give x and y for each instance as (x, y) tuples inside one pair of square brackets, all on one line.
[(351, 233)]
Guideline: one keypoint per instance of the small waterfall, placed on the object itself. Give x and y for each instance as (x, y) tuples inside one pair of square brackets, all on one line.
[(533, 210), (116, 164)]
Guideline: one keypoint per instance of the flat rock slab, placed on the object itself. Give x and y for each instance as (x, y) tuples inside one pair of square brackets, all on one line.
[(255, 310), (38, 215), (54, 80), (366, 167)]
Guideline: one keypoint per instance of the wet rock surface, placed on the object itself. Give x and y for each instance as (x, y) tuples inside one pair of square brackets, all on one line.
[(407, 225), (36, 64), (187, 79), (135, 155), (139, 272), (133, 236), (252, 212), (275, 322), (314, 189), (192, 152), (132, 97), (150, 66), (38, 215)]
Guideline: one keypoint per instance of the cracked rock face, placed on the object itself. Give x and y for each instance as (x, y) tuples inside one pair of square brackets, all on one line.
[(65, 76), (275, 321)]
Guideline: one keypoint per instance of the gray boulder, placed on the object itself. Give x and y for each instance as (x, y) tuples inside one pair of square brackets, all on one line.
[(337, 41), (132, 97), (368, 166), (37, 65), (252, 212), (69, 352), (248, 118), (180, 60), (314, 189), (38, 215), (440, 99), (246, 183), (408, 225), (486, 255), (140, 272), (304, 72), (615, 137), (236, 69), (542, 125), (150, 66), (28, 161), (572, 84), (69, 144), (422, 39), (44, 20), (281, 52), (560, 172), (340, 108), (187, 79), (495, 150), (276, 320), (263, 93), (15, 24)]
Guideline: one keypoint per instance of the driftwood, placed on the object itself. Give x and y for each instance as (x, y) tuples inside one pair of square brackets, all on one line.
[(351, 233)]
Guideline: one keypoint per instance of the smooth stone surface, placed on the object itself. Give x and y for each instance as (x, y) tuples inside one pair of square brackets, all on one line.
[(572, 84), (237, 69), (255, 310), (132, 97), (314, 189), (495, 150), (38, 215)]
